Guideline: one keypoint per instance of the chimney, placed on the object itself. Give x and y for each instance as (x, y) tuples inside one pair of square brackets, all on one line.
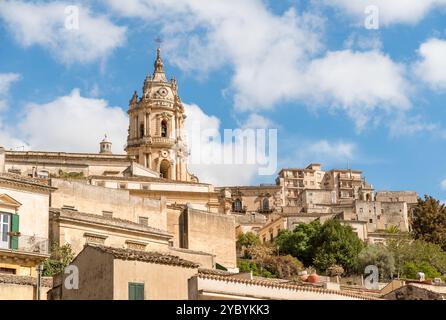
[(2, 159)]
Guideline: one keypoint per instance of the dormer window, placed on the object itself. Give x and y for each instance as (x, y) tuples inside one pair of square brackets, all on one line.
[(164, 128)]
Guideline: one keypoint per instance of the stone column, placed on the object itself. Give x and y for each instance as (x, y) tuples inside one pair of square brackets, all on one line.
[(148, 123)]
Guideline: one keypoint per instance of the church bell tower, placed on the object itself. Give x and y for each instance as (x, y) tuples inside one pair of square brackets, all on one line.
[(156, 122)]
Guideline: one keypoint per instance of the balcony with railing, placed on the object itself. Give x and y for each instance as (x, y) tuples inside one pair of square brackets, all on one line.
[(163, 141), (158, 141), (15, 242)]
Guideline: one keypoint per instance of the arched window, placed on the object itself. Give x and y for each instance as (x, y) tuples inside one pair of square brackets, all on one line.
[(237, 205), (265, 204), (163, 128), (141, 130), (165, 169)]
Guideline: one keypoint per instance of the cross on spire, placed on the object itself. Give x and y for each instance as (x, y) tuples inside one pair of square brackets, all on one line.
[(158, 40), (158, 73)]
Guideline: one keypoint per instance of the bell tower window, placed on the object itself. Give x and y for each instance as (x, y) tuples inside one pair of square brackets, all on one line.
[(164, 128), (141, 130), (165, 169)]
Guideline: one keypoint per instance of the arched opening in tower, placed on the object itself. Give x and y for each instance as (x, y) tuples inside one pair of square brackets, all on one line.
[(165, 169), (163, 128)]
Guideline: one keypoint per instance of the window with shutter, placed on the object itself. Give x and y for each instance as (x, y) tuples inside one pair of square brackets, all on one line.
[(15, 231), (136, 291)]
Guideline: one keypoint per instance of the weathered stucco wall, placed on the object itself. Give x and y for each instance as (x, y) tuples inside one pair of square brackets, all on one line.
[(77, 234), (96, 200), (95, 277), (33, 212), (161, 282), (213, 233), (22, 288)]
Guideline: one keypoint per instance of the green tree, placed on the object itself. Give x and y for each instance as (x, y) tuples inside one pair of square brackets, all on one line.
[(412, 254), (429, 221), (393, 230), (398, 247), (298, 243), (248, 266), (245, 241), (380, 256), (411, 270), (61, 257), (336, 244)]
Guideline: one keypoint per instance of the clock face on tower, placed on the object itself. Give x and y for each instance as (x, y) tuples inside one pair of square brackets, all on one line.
[(162, 92)]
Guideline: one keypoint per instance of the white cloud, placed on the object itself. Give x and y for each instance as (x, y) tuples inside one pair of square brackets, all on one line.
[(356, 41), (443, 184), (337, 151), (43, 24), (432, 65), (273, 57), (73, 123), (390, 11), (364, 84), (6, 137), (206, 152), (331, 152), (405, 125), (327, 152), (254, 121), (266, 50), (6, 80)]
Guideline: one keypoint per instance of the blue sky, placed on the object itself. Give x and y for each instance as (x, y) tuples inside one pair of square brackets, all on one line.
[(338, 93)]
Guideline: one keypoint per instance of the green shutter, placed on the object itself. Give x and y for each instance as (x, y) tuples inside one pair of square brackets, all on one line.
[(136, 291), (15, 228)]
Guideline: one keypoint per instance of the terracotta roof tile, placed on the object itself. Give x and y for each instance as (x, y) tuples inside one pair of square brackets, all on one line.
[(111, 221), (284, 285), (145, 256), (16, 178)]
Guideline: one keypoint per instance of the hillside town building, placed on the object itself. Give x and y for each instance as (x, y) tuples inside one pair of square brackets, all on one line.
[(143, 227)]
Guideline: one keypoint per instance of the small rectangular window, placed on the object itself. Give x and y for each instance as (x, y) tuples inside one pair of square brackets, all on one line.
[(107, 214), (7, 271), (136, 291), (144, 221), (370, 220), (122, 186)]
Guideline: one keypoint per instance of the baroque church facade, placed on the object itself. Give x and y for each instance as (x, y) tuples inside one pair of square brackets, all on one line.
[(156, 124)]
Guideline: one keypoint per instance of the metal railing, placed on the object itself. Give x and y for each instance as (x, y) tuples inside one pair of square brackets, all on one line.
[(24, 243)]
